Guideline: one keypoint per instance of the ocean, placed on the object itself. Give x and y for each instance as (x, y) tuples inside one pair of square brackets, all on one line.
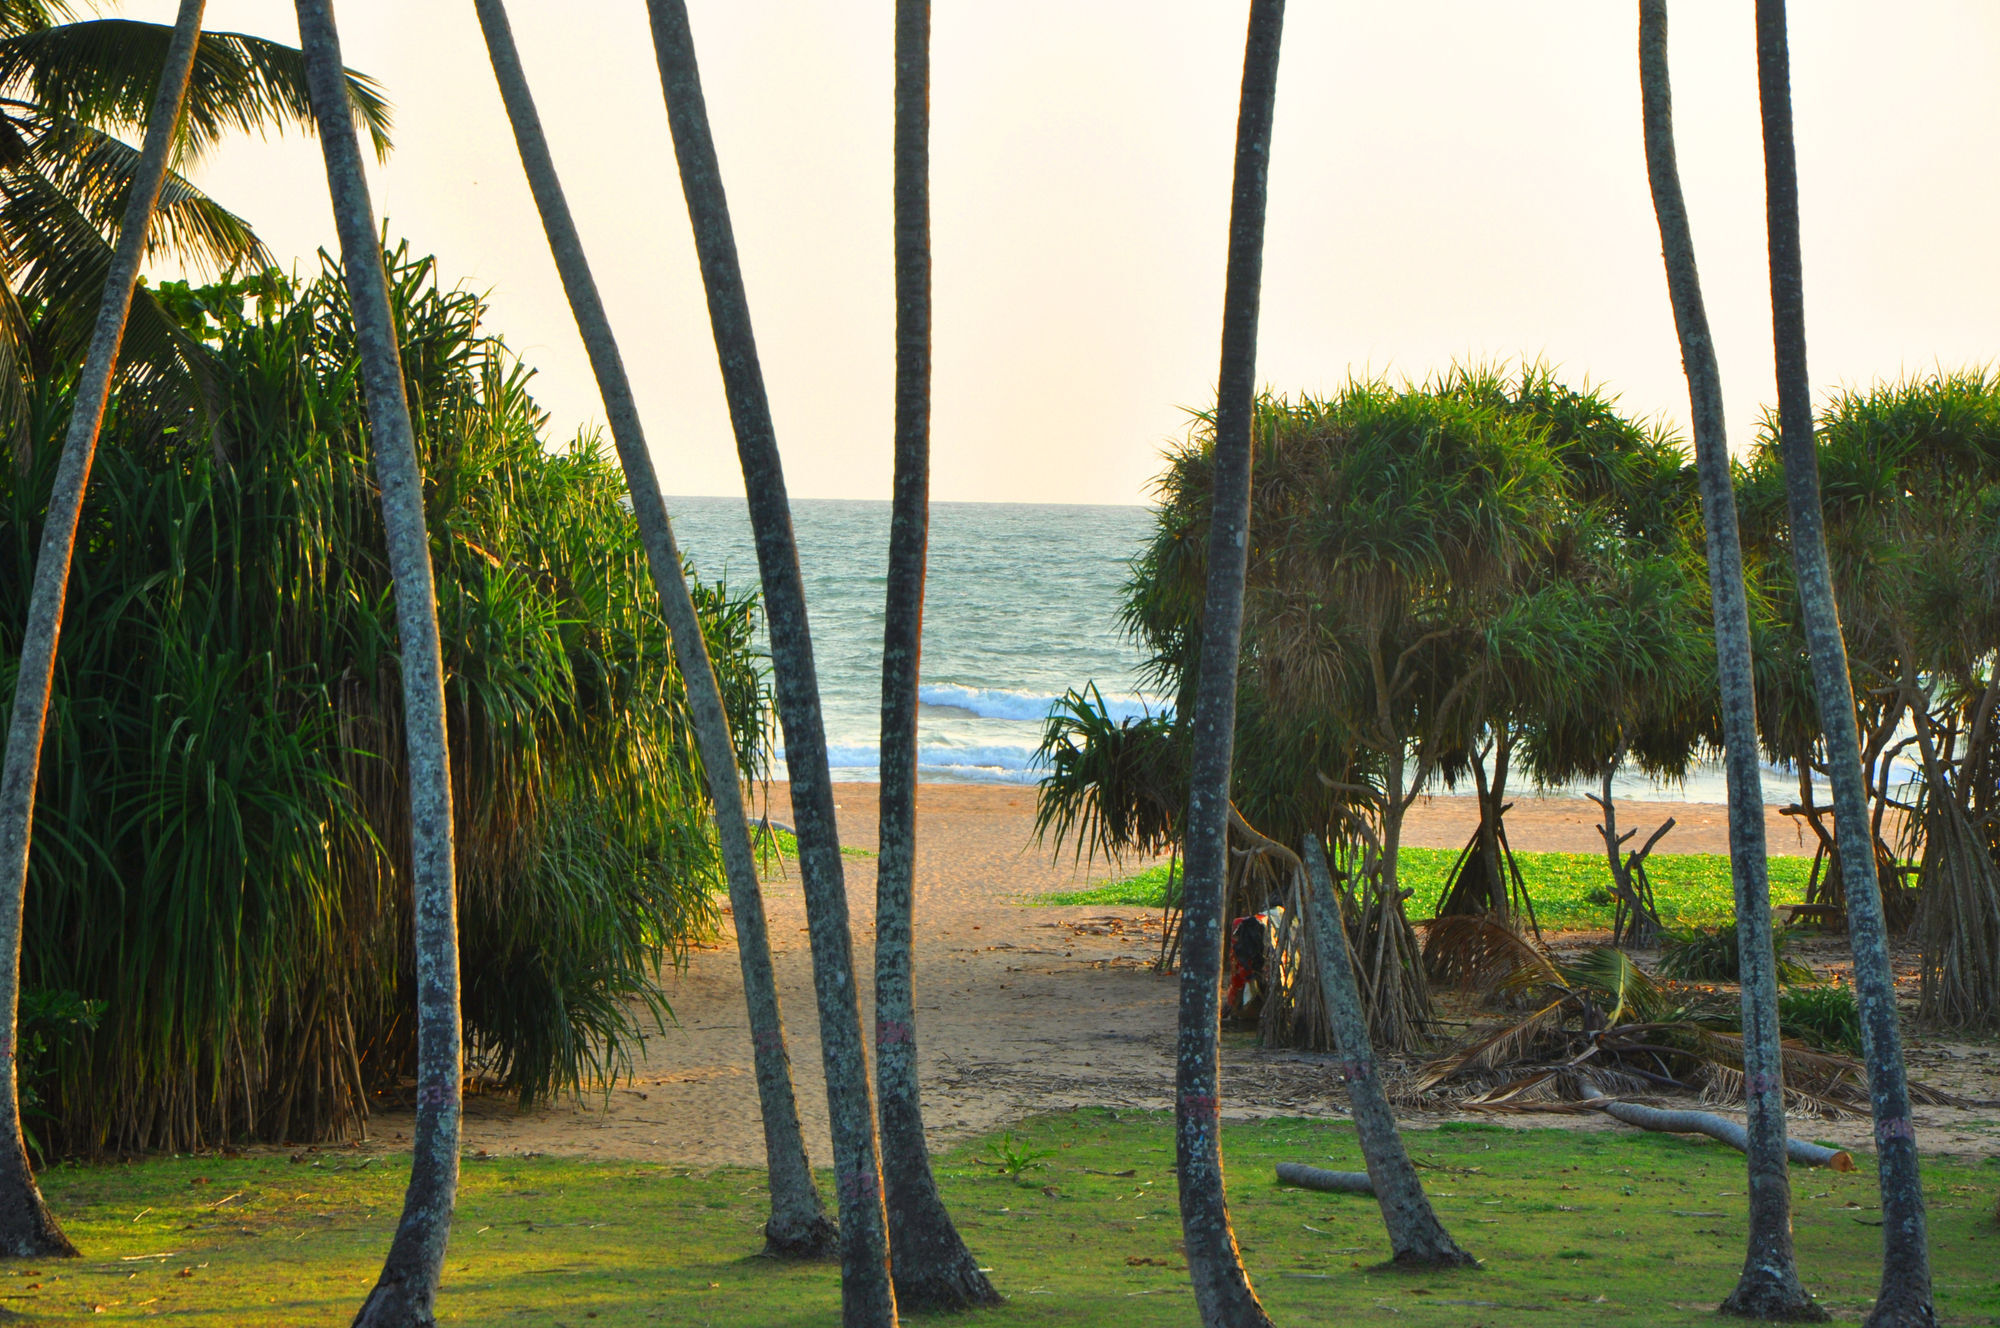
[(1022, 603)]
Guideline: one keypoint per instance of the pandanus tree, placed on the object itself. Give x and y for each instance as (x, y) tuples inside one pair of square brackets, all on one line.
[(1387, 530), (867, 1296), (1221, 1286), (1769, 1286), (932, 1267), (798, 1226), (406, 1291), (1905, 1295), (1908, 484), (1619, 486), (27, 1228), (69, 92)]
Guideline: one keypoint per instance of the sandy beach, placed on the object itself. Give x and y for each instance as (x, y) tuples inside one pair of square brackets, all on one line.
[(1031, 1009)]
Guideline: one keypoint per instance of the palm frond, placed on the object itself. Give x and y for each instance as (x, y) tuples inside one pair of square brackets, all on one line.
[(1495, 1049), (105, 72), (1477, 952)]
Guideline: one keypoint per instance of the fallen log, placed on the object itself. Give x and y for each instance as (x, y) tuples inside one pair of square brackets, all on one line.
[(1318, 1178), (1716, 1127)]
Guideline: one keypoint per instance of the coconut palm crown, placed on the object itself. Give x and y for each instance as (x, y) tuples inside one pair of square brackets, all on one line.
[(70, 93)]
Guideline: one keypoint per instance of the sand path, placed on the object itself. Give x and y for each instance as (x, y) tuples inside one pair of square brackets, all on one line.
[(1020, 1009)]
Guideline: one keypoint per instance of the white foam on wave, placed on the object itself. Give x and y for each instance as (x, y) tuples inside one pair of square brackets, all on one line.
[(1004, 703), (1001, 763)]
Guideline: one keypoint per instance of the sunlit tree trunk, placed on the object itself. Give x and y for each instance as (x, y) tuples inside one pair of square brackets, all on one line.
[(933, 1269), (1416, 1237), (867, 1297), (406, 1292), (1221, 1286), (27, 1229), (1905, 1295), (799, 1227), (1769, 1285)]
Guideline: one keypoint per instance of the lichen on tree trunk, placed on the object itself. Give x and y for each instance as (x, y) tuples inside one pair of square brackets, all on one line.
[(933, 1270), (28, 1230), (406, 1291), (1769, 1285), (1416, 1237), (798, 1225), (867, 1297), (1905, 1294), (1221, 1287)]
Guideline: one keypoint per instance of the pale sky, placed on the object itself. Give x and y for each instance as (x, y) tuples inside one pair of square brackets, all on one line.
[(1450, 180)]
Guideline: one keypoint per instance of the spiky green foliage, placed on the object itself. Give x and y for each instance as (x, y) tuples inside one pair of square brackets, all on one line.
[(1910, 473), (1711, 954), (1822, 1015), (1113, 786), (70, 95), (222, 856)]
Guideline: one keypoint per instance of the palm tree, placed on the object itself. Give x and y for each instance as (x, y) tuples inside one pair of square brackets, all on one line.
[(933, 1269), (1221, 1286), (798, 1227), (867, 1297), (407, 1288), (27, 1228), (1769, 1286), (1416, 1237), (67, 91), (1905, 1295)]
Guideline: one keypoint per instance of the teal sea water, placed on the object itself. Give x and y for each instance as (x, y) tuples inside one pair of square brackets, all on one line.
[(1022, 603)]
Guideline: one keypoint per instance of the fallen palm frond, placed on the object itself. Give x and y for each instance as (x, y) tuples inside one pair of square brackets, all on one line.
[(1611, 1025), (1507, 1046)]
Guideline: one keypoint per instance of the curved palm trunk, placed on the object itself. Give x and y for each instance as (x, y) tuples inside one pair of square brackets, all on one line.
[(933, 1269), (1416, 1237), (406, 1292), (1221, 1287), (799, 1227), (866, 1295), (1769, 1286), (1905, 1296), (27, 1229)]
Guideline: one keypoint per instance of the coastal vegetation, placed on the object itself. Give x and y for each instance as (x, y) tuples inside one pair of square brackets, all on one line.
[(393, 752), (224, 746), (1572, 891)]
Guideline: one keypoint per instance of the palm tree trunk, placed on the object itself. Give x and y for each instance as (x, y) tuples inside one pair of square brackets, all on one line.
[(1416, 1238), (1905, 1295), (798, 1227), (1221, 1287), (27, 1229), (866, 1295), (406, 1292), (1769, 1285), (933, 1269)]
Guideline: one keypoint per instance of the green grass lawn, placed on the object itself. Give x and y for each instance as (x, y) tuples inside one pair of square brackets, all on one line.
[(1597, 1228), (1569, 890)]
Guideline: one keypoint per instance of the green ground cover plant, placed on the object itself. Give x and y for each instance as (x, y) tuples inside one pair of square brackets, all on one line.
[(1574, 1226), (1569, 890)]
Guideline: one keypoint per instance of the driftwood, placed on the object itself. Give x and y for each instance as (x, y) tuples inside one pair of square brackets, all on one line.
[(1318, 1178), (1715, 1127)]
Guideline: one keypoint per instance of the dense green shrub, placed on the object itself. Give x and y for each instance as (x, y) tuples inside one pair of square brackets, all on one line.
[(1823, 1016), (1710, 954), (222, 829)]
